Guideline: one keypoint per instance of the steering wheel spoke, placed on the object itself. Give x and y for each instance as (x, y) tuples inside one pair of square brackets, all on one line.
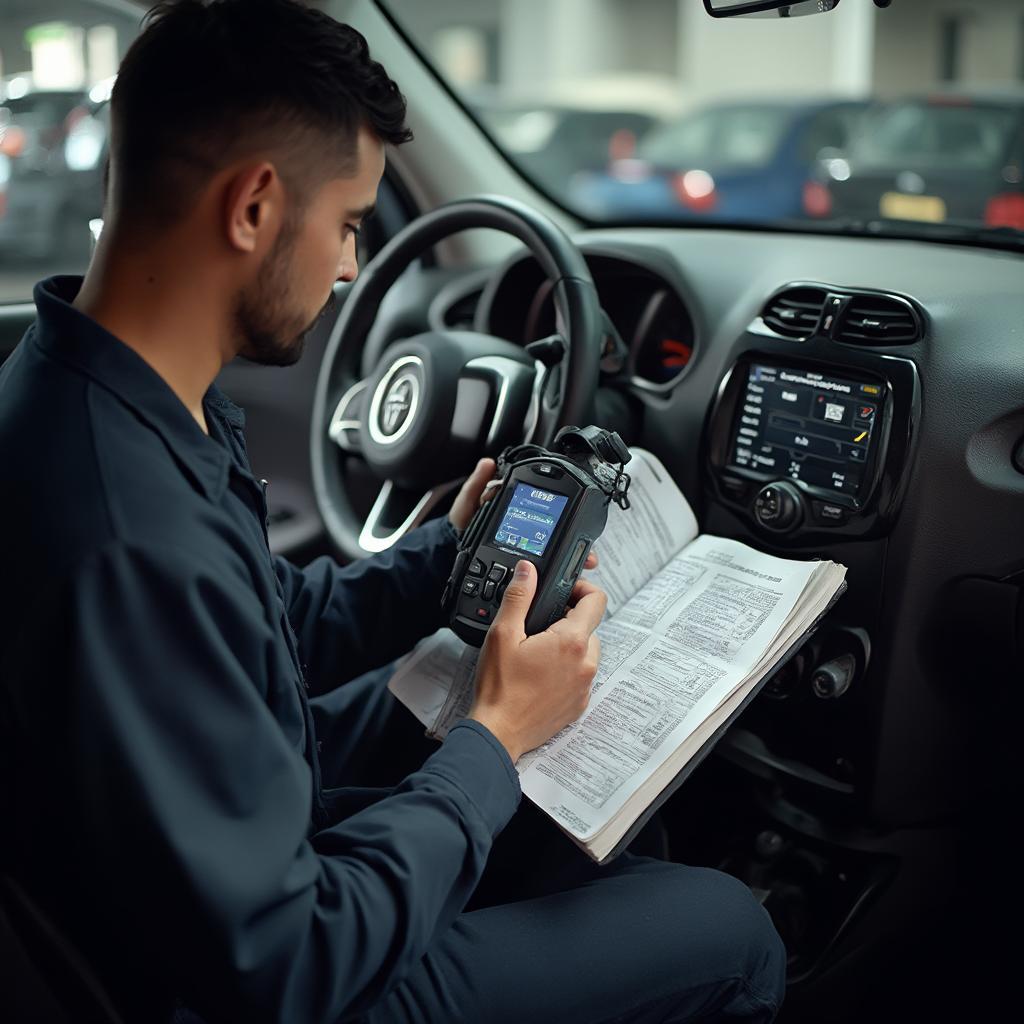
[(396, 511), (344, 427)]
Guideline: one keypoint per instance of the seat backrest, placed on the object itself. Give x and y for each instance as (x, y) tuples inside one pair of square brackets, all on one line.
[(46, 979)]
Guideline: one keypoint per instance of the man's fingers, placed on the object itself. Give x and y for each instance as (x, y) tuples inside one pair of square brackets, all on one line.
[(518, 597), (591, 562), (491, 489), (469, 495), (586, 613), (581, 588)]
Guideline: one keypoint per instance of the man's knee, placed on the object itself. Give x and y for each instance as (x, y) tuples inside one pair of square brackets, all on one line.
[(742, 938)]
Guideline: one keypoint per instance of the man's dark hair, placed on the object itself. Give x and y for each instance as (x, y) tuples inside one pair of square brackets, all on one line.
[(209, 81)]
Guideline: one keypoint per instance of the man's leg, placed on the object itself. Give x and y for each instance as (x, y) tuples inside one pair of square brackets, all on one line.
[(644, 942)]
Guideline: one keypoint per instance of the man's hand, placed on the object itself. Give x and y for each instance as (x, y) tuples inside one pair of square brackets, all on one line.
[(471, 494), (528, 688), (475, 491)]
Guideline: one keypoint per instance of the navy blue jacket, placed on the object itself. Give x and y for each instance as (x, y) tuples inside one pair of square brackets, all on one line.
[(161, 787)]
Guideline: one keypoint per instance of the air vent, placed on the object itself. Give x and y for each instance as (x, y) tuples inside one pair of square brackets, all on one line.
[(878, 320), (795, 312)]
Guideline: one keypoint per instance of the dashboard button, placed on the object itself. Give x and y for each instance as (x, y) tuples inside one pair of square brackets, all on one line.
[(471, 587), (497, 573), (830, 515), (476, 568), (735, 489)]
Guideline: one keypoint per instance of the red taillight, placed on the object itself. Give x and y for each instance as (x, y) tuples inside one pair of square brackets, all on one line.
[(817, 199), (12, 142), (1006, 211), (696, 190)]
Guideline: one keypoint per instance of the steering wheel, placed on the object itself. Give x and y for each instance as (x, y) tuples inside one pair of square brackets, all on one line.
[(438, 401)]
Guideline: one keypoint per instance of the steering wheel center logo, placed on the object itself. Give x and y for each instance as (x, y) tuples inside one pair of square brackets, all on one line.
[(395, 401)]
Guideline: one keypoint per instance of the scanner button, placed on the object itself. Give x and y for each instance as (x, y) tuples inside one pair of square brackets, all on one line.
[(497, 573), (482, 613), (576, 562), (489, 586), (476, 568), (471, 587)]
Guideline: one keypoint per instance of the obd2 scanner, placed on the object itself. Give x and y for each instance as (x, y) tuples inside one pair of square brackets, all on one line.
[(552, 504)]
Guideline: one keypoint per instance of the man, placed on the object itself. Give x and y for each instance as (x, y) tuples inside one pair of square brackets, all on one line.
[(184, 751)]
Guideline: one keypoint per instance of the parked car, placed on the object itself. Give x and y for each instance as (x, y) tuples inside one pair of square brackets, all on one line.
[(935, 159), (747, 160), (54, 145), (550, 141)]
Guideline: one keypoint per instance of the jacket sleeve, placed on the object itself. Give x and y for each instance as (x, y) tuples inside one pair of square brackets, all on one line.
[(349, 620), (193, 808)]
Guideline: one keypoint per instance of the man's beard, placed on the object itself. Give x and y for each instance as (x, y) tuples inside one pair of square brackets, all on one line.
[(271, 332)]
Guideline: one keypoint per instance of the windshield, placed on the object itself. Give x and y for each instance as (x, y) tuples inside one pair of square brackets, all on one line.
[(909, 118)]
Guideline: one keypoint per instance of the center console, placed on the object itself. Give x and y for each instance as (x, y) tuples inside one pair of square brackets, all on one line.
[(800, 447)]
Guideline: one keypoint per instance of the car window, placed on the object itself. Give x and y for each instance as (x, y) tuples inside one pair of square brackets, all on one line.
[(829, 130), (736, 137), (863, 119), (57, 62), (937, 135)]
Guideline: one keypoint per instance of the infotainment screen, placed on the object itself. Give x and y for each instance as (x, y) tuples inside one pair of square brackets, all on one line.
[(530, 519), (807, 426)]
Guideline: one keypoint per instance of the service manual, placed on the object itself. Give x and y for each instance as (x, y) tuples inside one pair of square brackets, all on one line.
[(695, 626)]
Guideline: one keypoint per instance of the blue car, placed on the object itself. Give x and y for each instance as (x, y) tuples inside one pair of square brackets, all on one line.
[(738, 161)]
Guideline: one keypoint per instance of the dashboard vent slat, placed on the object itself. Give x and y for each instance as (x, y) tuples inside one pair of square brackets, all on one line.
[(878, 320), (795, 312)]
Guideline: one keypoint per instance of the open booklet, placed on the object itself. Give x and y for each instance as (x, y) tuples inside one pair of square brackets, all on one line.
[(695, 625)]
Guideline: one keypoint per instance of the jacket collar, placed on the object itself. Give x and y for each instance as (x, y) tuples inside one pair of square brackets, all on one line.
[(68, 335)]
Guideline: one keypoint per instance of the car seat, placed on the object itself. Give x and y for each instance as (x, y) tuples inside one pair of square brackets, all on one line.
[(46, 979)]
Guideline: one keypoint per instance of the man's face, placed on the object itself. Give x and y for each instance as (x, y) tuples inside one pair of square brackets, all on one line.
[(294, 286)]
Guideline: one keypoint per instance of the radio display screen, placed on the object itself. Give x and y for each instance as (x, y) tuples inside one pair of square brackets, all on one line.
[(530, 519), (806, 426)]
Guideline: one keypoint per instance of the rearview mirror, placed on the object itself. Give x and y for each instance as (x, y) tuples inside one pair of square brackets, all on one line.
[(767, 8)]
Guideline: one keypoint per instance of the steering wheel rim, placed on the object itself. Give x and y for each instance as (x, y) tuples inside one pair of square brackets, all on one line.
[(351, 412)]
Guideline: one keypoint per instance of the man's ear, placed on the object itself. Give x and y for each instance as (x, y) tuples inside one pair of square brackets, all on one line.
[(253, 206)]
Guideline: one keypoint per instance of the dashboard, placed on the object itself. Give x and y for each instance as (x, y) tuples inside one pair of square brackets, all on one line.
[(650, 316), (830, 397)]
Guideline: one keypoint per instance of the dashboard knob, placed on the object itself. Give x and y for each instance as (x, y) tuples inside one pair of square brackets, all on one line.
[(833, 679), (778, 506)]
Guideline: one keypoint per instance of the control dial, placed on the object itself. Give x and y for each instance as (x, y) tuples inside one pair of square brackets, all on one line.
[(778, 506)]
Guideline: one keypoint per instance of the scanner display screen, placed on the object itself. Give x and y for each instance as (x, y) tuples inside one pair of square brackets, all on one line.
[(530, 519), (806, 426)]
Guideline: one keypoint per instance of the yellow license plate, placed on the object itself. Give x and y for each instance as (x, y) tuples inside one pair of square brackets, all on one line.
[(900, 206)]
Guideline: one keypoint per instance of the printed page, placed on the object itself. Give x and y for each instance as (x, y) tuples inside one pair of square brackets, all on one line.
[(436, 673), (639, 541), (698, 629)]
